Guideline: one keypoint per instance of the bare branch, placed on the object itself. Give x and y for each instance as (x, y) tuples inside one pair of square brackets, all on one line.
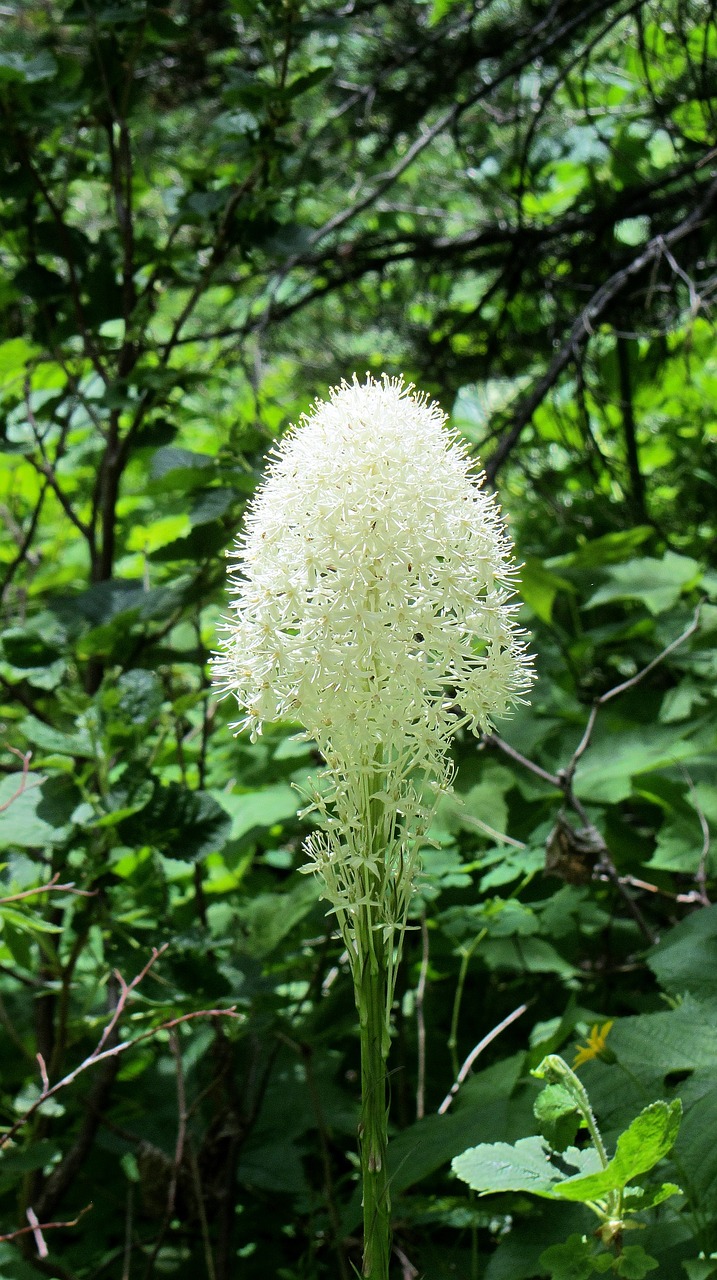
[(37, 1228), (26, 758), (584, 325), (100, 1053), (45, 468), (421, 1021), (564, 779), (475, 1053), (51, 887), (628, 684)]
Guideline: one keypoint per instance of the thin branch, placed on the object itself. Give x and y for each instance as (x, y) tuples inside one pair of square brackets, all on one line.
[(421, 1021), (45, 468), (178, 1153), (25, 542), (51, 887), (583, 327), (127, 1248), (100, 1054), (408, 1271), (492, 740), (564, 779), (26, 758), (475, 1053), (36, 1228), (628, 684)]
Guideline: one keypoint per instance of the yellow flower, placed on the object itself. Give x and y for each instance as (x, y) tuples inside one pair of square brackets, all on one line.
[(596, 1045)]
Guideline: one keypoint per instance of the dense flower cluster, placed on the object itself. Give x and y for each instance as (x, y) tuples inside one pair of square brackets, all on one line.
[(371, 603)]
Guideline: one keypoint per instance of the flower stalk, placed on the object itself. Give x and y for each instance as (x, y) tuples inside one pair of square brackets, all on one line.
[(371, 986), (371, 602)]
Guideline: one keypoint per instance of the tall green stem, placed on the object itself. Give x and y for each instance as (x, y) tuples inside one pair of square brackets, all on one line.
[(371, 1000)]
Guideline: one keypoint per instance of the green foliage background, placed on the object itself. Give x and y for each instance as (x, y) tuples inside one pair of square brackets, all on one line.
[(209, 213)]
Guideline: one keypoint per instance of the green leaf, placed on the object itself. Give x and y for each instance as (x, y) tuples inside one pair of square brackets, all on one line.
[(539, 587), (26, 655), (255, 810), (558, 1116), (14, 1163), (528, 1166), (28, 920), (28, 70), (637, 1199), (604, 775), (570, 1261), (40, 815), (134, 700), (648, 1139), (269, 917), (54, 741), (14, 357), (182, 824), (657, 583), (685, 960), (633, 1263), (700, 1268), (612, 548)]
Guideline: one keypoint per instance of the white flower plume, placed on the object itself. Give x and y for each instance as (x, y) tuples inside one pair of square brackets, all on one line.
[(371, 602)]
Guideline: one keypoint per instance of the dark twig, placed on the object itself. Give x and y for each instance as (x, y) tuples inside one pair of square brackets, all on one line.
[(25, 542), (564, 778), (36, 1228), (51, 887), (584, 325), (101, 1054), (623, 688)]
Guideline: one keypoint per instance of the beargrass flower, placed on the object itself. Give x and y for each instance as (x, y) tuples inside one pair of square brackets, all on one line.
[(372, 603)]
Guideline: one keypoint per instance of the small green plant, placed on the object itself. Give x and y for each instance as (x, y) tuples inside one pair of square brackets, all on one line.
[(551, 1166)]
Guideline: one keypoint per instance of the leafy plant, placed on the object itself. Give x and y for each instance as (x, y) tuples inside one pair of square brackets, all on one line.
[(553, 1168)]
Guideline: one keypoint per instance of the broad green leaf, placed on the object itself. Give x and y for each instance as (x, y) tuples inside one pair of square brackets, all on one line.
[(648, 1139), (612, 548), (527, 1166), (637, 1199), (182, 824), (53, 740), (14, 1163), (28, 920), (26, 655), (489, 1104), (267, 918), (633, 1262), (135, 699), (605, 773), (539, 587), (657, 583), (256, 809), (39, 817), (686, 958), (14, 356), (700, 1268)]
